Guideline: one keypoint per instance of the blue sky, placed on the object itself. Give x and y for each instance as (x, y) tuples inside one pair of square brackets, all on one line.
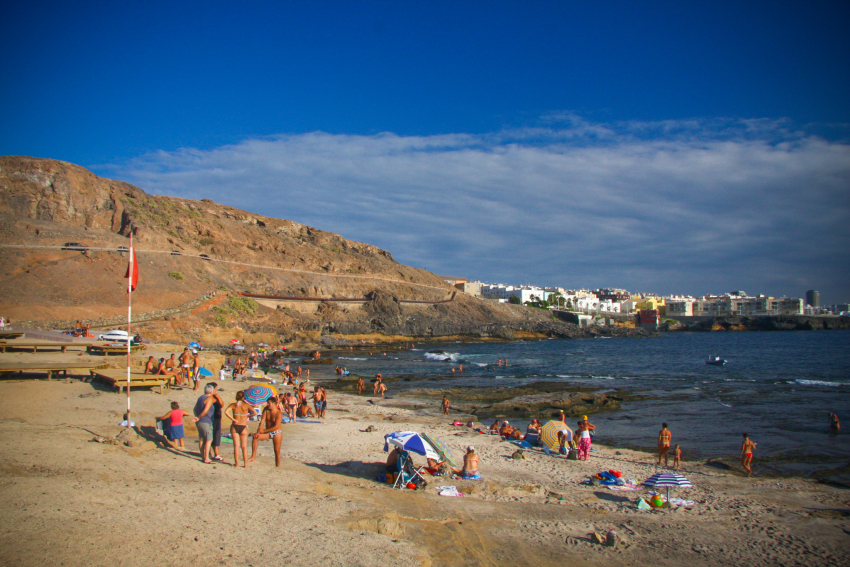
[(663, 147)]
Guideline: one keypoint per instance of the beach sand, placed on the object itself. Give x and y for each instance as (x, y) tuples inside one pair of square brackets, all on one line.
[(69, 501)]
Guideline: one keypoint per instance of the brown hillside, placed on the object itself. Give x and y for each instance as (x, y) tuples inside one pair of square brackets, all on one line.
[(47, 203)]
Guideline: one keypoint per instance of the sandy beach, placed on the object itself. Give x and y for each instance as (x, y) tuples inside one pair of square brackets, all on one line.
[(70, 501)]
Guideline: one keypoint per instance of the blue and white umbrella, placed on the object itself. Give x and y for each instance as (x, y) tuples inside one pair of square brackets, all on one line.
[(204, 372), (667, 479), (195, 346), (411, 441)]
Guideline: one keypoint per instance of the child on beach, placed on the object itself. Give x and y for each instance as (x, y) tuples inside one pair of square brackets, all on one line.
[(172, 425), (445, 406), (677, 456)]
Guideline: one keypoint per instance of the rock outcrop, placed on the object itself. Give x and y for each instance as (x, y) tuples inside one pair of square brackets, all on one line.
[(45, 204)]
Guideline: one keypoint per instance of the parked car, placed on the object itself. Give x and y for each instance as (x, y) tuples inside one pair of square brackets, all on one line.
[(205, 257), (74, 246), (123, 249), (114, 336), (176, 253)]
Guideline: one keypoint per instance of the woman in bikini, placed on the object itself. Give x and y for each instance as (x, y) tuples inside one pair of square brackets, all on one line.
[(470, 464), (239, 412), (747, 449)]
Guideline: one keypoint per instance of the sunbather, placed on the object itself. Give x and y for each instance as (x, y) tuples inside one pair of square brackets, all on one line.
[(470, 464)]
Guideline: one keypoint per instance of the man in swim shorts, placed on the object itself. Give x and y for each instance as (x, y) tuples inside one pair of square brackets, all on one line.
[(269, 428), (747, 448), (185, 365), (664, 438)]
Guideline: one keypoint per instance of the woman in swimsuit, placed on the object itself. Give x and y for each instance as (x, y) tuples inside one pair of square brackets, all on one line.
[(239, 412), (747, 449), (470, 464)]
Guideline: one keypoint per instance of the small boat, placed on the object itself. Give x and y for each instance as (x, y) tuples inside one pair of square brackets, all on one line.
[(716, 361)]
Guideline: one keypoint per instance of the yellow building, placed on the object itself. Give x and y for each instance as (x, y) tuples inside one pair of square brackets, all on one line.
[(653, 303)]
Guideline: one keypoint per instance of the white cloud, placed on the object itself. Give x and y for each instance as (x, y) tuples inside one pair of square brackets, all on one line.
[(685, 207)]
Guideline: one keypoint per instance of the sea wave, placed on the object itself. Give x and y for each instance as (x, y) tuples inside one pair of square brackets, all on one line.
[(442, 356), (815, 383), (350, 358)]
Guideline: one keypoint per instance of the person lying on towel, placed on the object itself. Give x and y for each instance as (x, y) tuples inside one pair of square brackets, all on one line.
[(470, 465)]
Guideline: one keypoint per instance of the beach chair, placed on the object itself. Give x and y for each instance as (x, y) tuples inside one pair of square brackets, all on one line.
[(407, 473)]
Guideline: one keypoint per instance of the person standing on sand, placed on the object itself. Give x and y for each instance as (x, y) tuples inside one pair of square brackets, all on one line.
[(747, 448), (664, 439), (677, 456), (383, 389), (360, 386), (185, 364), (218, 406), (269, 428), (196, 364), (445, 405), (584, 427), (172, 426), (204, 419), (239, 412)]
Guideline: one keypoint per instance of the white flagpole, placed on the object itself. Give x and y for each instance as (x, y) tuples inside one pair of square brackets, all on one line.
[(129, 318)]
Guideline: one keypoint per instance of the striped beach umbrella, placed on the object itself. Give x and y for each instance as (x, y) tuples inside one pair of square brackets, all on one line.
[(549, 434), (443, 450), (412, 442), (667, 479), (259, 393)]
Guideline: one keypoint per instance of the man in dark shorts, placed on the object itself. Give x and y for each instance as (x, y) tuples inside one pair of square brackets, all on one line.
[(218, 406), (270, 428), (204, 419)]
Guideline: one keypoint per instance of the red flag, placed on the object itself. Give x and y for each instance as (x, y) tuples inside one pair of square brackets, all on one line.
[(133, 269)]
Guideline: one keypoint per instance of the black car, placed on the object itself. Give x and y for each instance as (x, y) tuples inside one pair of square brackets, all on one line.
[(205, 257), (74, 246), (123, 249), (175, 253)]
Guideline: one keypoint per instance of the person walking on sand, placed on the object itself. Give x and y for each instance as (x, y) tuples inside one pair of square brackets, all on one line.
[(747, 448), (664, 438), (584, 427), (445, 405), (238, 412), (204, 419), (269, 428)]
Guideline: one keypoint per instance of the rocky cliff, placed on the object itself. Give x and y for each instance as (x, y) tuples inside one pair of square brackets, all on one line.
[(45, 204)]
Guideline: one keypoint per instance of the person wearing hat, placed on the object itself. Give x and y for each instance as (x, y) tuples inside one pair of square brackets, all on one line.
[(584, 429), (470, 464)]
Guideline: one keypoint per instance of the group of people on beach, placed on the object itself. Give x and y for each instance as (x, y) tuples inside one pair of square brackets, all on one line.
[(181, 371), (209, 409)]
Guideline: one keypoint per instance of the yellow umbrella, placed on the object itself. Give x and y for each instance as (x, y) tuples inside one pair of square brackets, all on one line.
[(549, 434)]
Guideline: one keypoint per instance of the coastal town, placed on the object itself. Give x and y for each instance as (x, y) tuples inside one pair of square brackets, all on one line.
[(610, 300)]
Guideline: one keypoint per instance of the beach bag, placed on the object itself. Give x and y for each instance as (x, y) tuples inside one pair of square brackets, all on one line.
[(382, 477)]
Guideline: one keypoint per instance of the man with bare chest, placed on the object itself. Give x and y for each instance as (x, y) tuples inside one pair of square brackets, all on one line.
[(270, 428)]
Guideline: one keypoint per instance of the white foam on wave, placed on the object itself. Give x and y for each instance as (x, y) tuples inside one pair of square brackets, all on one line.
[(351, 358), (815, 383), (442, 356)]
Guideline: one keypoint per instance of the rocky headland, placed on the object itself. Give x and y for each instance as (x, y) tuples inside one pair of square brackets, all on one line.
[(188, 250)]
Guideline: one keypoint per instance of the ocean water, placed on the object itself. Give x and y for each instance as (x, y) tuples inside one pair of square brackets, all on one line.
[(777, 386)]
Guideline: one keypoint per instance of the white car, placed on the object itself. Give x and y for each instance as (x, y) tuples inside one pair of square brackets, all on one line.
[(114, 336)]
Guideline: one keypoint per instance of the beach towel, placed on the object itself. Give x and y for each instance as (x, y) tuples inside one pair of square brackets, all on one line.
[(625, 488), (473, 477), (449, 491), (680, 502)]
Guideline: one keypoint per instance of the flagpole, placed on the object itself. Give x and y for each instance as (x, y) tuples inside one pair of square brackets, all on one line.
[(129, 318)]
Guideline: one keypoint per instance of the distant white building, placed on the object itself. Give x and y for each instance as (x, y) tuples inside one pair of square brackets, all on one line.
[(735, 303), (504, 292)]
